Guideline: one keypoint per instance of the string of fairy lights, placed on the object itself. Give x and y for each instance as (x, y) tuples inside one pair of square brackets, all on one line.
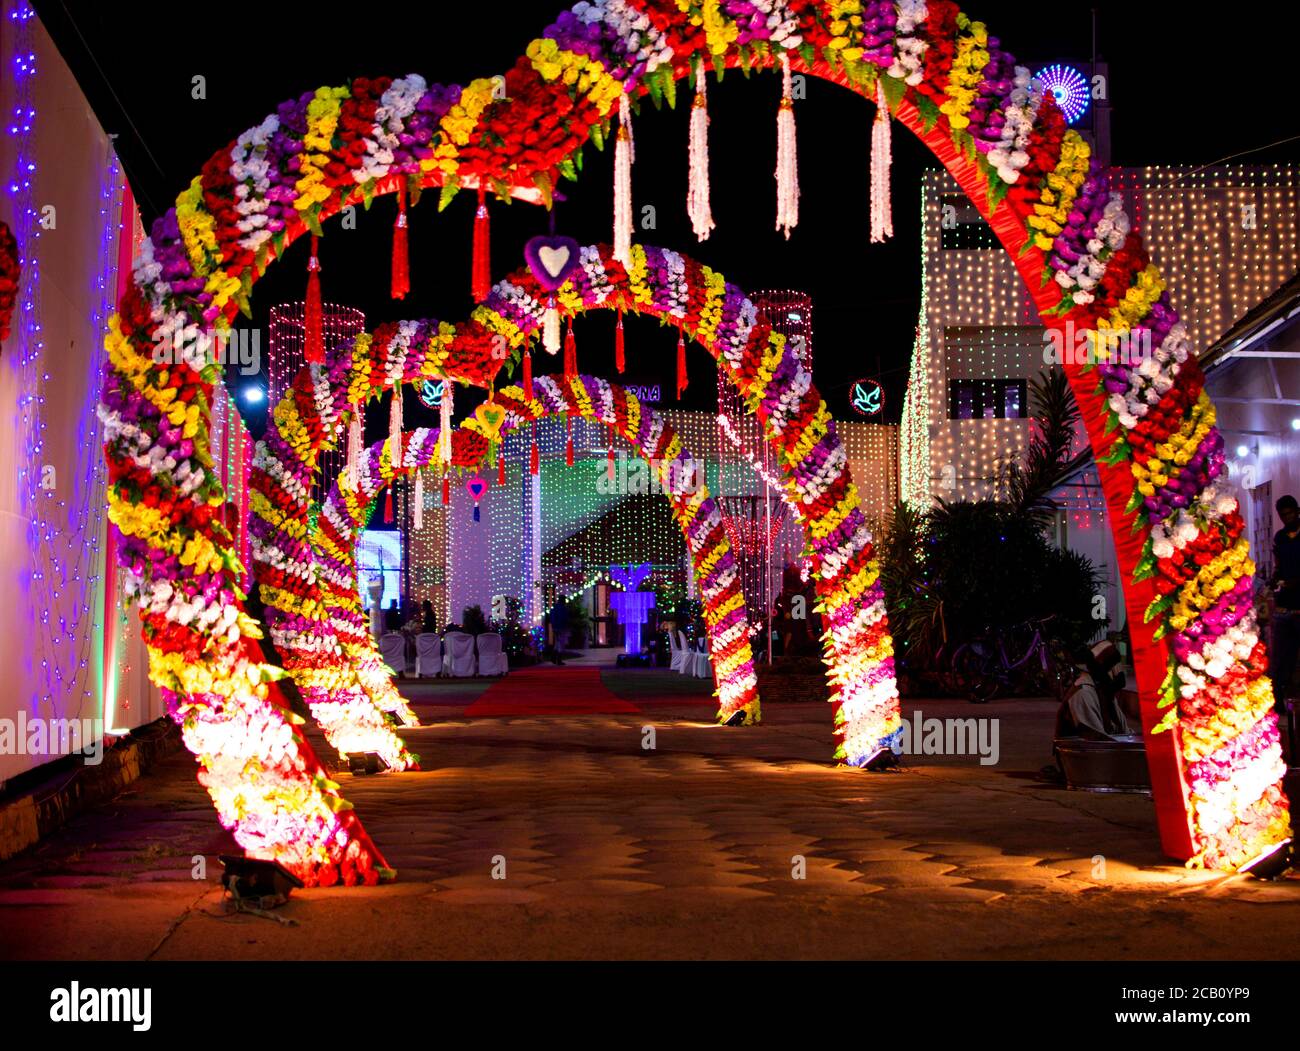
[(1226, 238), (286, 348), (64, 531), (454, 561)]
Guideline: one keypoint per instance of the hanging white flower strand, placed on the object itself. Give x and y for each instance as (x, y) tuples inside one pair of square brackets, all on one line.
[(444, 423), (354, 447), (882, 160), (624, 155), (395, 426), (551, 327), (697, 194), (417, 503), (787, 161)]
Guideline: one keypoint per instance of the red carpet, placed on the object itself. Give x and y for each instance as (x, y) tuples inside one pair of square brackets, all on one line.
[(548, 690)]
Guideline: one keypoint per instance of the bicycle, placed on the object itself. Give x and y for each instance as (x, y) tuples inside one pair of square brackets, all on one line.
[(985, 669)]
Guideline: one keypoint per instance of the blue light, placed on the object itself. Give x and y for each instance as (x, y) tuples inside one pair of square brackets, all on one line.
[(1070, 88), (254, 395)]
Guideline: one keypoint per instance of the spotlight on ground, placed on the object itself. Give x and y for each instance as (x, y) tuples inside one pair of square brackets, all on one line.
[(883, 760), (366, 763), (260, 884), (1270, 865), (737, 718)]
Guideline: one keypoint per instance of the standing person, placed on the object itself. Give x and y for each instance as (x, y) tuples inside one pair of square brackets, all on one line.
[(392, 617), (429, 620), (559, 628), (1286, 599)]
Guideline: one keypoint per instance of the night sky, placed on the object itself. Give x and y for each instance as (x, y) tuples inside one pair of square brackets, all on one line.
[(1178, 98)]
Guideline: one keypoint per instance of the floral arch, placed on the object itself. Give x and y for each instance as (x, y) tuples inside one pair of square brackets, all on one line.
[(348, 506), (325, 399), (1212, 736)]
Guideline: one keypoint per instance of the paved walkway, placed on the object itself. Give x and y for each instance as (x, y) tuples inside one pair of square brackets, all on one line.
[(690, 849)]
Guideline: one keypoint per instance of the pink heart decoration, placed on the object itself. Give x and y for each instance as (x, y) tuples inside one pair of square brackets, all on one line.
[(552, 260), (476, 487)]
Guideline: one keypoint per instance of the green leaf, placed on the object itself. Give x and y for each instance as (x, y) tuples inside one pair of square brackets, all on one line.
[(670, 87), (543, 182), (449, 190), (896, 91), (1169, 722), (930, 112), (598, 136), (998, 191), (1134, 502), (414, 189), (1158, 607), (653, 82), (311, 218), (1169, 688), (367, 194), (1145, 571)]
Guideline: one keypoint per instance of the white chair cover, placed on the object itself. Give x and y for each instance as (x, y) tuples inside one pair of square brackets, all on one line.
[(428, 655), (392, 647), (491, 658), (682, 656), (458, 655), (703, 669)]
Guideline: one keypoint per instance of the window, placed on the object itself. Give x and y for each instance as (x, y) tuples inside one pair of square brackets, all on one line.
[(988, 400)]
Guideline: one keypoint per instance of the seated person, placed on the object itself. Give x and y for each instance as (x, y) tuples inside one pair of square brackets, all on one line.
[(1091, 709)]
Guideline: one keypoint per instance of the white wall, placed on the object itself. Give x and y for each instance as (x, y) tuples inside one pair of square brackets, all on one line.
[(52, 542)]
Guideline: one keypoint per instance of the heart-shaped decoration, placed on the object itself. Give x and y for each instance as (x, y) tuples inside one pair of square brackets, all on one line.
[(552, 260), (489, 417), (476, 487)]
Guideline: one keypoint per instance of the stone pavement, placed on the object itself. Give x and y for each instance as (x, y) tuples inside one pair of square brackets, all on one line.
[(686, 851)]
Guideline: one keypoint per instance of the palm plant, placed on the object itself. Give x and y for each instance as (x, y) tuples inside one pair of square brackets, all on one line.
[(1028, 481)]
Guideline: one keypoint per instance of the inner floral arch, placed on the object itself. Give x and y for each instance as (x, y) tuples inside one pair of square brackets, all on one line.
[(349, 505), (1212, 736), (324, 399)]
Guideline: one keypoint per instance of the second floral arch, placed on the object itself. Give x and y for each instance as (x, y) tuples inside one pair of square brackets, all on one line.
[(307, 574)]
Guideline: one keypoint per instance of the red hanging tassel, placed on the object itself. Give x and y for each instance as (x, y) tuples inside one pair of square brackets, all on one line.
[(570, 353), (609, 455), (312, 312), (683, 380), (534, 459), (528, 373), (401, 255), (501, 467), (388, 505), (446, 490), (482, 264), (619, 361), (568, 448)]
